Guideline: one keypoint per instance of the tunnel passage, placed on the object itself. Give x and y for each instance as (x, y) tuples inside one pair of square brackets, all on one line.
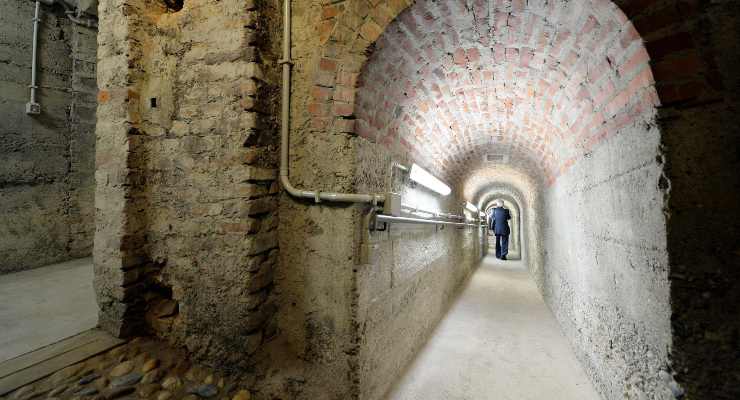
[(558, 99)]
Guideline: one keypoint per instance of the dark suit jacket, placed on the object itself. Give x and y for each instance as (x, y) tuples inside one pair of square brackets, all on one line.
[(500, 221)]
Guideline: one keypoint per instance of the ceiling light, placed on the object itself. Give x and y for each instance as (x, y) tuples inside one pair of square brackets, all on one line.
[(471, 207), (422, 177)]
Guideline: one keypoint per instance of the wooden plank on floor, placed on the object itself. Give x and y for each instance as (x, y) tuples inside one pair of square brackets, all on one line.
[(30, 367)]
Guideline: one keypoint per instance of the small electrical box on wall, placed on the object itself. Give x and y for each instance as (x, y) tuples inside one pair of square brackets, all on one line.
[(392, 204), (33, 108)]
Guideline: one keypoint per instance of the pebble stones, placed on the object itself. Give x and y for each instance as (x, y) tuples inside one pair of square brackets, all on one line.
[(126, 380), (101, 383), (114, 393), (88, 391), (122, 369), (147, 390), (171, 382), (204, 391), (149, 365), (153, 376), (195, 374), (88, 378), (164, 395), (66, 373), (241, 395)]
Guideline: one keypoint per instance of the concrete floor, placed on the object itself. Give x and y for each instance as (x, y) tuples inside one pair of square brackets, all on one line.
[(45, 305), (498, 341)]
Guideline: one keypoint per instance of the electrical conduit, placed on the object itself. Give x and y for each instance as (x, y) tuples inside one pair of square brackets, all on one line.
[(316, 195)]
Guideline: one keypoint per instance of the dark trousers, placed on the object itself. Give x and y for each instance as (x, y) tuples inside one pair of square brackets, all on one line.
[(502, 246)]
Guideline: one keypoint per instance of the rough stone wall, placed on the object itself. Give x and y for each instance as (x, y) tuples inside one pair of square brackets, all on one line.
[(82, 119), (46, 174), (315, 277), (695, 53), (186, 241)]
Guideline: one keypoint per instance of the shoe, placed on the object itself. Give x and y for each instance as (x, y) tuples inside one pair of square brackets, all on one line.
[(503, 258)]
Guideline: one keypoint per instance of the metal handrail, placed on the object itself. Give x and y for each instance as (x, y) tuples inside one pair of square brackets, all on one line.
[(425, 221), (435, 213)]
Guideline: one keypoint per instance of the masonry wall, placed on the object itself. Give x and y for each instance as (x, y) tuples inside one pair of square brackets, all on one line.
[(47, 170), (186, 241)]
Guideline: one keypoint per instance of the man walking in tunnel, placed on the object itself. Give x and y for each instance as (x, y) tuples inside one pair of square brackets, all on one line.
[(499, 224)]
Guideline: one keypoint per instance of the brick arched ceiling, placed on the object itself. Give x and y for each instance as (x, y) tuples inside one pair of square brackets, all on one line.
[(537, 82)]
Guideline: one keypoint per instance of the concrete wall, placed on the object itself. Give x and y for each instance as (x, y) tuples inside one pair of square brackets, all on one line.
[(606, 265), (47, 172)]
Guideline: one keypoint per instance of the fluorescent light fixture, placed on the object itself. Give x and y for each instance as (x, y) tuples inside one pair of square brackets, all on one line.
[(471, 207), (422, 177)]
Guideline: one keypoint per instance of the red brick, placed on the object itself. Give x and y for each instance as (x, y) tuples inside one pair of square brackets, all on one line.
[(330, 11), (459, 57), (327, 65), (321, 93), (638, 59), (629, 35), (344, 94)]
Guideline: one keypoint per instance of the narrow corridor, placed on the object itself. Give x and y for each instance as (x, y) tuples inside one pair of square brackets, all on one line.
[(498, 341)]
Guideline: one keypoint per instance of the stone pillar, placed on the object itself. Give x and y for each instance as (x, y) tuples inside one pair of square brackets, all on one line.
[(186, 237), (118, 250)]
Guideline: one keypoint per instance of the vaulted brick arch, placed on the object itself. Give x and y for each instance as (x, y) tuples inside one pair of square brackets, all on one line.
[(542, 83), (558, 77)]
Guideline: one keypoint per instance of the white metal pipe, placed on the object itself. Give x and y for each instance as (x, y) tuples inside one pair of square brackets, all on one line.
[(33, 56), (318, 196)]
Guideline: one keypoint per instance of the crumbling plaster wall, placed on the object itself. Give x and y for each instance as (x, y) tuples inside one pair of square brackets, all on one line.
[(187, 223), (47, 170)]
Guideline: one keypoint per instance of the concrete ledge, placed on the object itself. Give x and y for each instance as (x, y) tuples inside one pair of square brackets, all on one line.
[(38, 364)]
